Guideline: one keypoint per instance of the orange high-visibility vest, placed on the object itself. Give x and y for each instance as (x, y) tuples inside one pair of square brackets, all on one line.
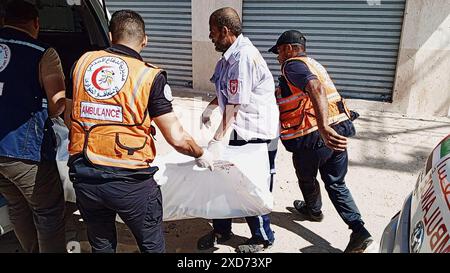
[(110, 121), (297, 115)]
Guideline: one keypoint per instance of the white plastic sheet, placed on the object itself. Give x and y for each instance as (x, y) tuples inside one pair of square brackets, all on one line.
[(62, 156), (238, 187)]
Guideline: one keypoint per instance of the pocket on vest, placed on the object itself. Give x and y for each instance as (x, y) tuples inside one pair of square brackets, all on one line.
[(130, 145)]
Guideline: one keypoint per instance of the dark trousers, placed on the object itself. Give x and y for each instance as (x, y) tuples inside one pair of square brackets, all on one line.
[(259, 225), (36, 204), (333, 168), (139, 205)]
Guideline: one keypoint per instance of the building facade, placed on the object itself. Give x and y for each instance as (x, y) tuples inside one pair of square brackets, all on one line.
[(390, 55)]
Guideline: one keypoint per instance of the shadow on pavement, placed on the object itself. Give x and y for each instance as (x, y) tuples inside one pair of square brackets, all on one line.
[(287, 220)]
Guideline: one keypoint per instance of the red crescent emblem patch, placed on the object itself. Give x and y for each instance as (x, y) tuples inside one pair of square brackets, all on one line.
[(234, 86)]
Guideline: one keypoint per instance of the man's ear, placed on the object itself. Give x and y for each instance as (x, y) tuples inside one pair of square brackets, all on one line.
[(145, 41), (36, 24), (225, 31), (293, 50), (289, 47)]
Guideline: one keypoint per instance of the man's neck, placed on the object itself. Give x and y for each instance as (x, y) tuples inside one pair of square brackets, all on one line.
[(231, 40), (298, 54), (138, 49)]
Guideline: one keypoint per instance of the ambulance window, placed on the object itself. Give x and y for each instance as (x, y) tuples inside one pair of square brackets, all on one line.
[(60, 15)]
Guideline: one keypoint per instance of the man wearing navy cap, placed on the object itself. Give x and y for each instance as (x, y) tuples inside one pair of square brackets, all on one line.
[(315, 124)]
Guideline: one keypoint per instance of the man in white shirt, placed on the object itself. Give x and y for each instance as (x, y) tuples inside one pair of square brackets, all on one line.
[(245, 92)]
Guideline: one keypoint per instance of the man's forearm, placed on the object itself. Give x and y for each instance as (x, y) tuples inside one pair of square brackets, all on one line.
[(320, 103), (51, 77), (214, 102), (56, 109), (211, 106), (228, 117), (189, 147), (176, 136)]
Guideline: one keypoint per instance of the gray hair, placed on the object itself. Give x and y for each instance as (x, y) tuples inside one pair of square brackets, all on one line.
[(227, 17)]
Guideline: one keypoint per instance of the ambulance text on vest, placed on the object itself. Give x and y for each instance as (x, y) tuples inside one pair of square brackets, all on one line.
[(101, 111)]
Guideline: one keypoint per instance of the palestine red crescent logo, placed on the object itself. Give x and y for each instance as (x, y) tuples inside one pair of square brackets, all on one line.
[(234, 84), (105, 77), (5, 56)]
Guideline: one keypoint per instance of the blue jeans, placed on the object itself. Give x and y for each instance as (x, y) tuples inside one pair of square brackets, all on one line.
[(259, 225), (332, 166)]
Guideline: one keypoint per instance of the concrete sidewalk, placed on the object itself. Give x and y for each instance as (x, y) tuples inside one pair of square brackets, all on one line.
[(385, 158)]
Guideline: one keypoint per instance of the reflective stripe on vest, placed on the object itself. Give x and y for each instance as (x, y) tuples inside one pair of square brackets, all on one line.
[(40, 48), (297, 115), (299, 133), (111, 125)]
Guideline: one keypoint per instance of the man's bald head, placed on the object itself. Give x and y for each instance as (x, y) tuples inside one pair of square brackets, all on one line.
[(227, 17)]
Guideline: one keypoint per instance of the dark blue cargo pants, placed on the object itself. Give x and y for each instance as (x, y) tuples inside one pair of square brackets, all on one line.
[(332, 166), (139, 205)]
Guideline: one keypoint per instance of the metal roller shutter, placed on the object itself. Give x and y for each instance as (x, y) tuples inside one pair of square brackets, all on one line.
[(168, 26), (356, 40)]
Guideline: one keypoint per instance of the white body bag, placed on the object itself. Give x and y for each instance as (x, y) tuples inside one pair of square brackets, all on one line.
[(238, 187)]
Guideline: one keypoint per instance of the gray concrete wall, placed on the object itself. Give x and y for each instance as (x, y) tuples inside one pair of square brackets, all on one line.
[(422, 86), (204, 57)]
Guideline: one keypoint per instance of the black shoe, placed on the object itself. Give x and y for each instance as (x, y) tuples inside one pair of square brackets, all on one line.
[(254, 245), (301, 208), (211, 239), (359, 241)]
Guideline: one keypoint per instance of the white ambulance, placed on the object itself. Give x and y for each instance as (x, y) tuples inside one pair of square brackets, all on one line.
[(423, 224)]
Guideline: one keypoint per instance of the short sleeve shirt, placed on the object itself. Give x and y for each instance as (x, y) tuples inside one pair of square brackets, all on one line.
[(299, 74), (243, 78)]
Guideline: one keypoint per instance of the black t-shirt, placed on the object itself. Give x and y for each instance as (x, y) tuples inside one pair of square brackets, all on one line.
[(158, 105)]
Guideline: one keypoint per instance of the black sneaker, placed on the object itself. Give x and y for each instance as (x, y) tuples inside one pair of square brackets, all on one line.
[(254, 245), (359, 241), (301, 208), (211, 239)]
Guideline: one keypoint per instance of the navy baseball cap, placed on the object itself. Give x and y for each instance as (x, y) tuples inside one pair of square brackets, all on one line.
[(289, 37)]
